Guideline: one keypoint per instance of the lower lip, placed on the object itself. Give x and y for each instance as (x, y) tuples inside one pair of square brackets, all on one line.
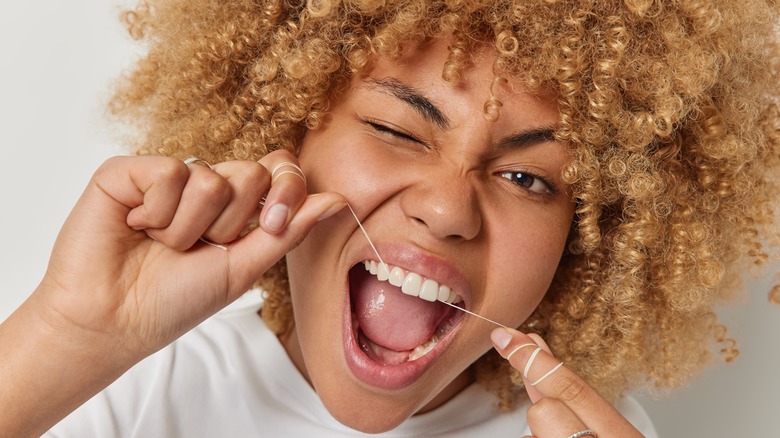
[(389, 377)]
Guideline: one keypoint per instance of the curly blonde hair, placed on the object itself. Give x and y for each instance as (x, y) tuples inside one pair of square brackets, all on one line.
[(669, 108)]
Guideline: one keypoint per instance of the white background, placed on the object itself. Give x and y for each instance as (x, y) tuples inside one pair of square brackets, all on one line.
[(56, 63)]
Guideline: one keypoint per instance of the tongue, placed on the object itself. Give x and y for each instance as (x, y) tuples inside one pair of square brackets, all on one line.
[(390, 318)]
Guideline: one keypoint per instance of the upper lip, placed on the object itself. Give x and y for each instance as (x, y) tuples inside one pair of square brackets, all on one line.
[(415, 259)]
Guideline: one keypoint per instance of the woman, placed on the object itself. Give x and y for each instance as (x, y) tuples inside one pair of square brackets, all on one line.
[(596, 198)]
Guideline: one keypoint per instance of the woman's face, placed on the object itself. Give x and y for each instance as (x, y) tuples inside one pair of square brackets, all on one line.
[(450, 199)]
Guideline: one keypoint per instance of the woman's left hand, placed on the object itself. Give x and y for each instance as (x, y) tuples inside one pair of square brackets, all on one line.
[(563, 403)]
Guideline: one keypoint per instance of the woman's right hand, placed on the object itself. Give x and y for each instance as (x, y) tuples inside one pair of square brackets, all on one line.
[(128, 263), (128, 273)]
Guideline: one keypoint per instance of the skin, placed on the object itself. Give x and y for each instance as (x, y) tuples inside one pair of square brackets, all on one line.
[(445, 193), (563, 403), (131, 250), (126, 256)]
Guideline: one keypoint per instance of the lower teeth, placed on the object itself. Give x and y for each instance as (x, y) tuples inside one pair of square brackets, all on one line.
[(428, 345), (424, 348)]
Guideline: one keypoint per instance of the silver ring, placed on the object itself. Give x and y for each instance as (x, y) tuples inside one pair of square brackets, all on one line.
[(196, 160), (586, 432)]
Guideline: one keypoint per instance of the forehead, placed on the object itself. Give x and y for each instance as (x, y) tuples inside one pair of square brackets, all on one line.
[(421, 67)]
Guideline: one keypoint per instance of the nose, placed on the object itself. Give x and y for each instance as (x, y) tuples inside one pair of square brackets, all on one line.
[(446, 205)]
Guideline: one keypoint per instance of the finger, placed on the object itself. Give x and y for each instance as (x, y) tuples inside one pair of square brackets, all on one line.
[(125, 194), (248, 181), (202, 200), (533, 393), (546, 374), (148, 188), (550, 417), (253, 254), (287, 192), (535, 349)]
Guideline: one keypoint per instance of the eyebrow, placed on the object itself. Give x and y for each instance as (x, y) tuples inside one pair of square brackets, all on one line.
[(430, 112), (414, 98), (527, 138)]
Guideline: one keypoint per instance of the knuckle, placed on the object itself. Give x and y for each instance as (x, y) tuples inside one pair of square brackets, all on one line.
[(171, 169), (285, 155), (570, 390), (213, 186), (256, 172), (111, 162), (545, 408), (253, 178), (107, 167)]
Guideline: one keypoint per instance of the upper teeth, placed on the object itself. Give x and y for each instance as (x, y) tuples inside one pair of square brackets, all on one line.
[(412, 283)]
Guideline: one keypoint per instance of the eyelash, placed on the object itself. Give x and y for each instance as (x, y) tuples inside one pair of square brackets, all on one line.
[(390, 131), (549, 187)]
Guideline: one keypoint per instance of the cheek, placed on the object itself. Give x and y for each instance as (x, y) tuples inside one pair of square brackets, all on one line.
[(342, 158), (523, 263), (326, 161)]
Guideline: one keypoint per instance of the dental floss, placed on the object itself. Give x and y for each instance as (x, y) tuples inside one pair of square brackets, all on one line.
[(546, 375), (531, 361), (215, 245), (518, 348), (388, 268), (474, 314), (368, 238), (370, 242)]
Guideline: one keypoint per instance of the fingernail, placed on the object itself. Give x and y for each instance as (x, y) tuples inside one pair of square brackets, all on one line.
[(276, 217), (501, 338), (331, 211)]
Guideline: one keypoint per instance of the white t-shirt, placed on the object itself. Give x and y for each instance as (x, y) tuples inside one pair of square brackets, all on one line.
[(230, 377)]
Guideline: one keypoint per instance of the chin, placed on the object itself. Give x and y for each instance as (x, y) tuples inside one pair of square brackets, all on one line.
[(370, 414)]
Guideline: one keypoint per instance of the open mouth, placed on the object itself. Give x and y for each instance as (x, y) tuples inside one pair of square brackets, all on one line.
[(398, 318)]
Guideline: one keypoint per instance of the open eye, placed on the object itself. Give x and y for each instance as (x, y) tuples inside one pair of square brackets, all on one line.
[(529, 182)]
